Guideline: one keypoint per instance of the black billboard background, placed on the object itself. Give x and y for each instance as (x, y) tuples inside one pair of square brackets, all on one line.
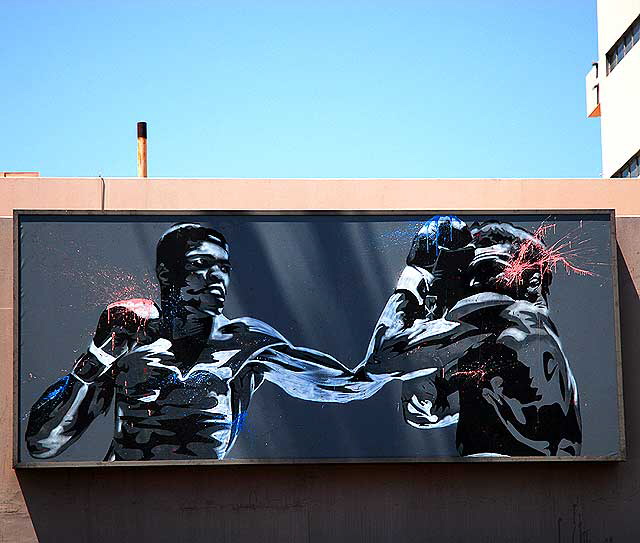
[(321, 280)]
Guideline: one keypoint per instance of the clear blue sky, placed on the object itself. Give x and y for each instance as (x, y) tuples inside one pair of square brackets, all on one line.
[(446, 88)]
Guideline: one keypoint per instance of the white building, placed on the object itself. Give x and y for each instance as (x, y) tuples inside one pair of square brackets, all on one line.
[(613, 86)]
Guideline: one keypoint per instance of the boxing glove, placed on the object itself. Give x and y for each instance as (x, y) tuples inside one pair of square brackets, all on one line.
[(121, 325)]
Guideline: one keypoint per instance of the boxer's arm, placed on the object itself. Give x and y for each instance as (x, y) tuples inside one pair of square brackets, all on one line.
[(67, 408), (410, 301), (314, 376), (403, 347)]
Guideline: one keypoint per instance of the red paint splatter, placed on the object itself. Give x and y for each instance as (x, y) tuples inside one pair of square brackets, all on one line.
[(139, 312), (143, 308), (534, 256), (478, 374)]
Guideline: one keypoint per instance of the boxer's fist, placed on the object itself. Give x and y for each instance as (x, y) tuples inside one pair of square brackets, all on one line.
[(431, 402), (126, 322), (442, 233), (444, 248), (121, 325)]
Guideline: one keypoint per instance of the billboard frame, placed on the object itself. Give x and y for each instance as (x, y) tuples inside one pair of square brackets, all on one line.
[(19, 213)]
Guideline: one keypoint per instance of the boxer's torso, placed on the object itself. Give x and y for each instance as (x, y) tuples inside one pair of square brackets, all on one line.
[(168, 410), (517, 393)]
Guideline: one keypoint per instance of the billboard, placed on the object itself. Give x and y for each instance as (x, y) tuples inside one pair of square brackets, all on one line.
[(233, 337)]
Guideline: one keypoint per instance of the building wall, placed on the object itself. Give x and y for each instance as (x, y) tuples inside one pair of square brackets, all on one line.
[(614, 17), (619, 91), (317, 503)]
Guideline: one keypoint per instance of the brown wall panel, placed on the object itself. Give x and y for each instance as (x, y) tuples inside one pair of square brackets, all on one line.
[(6, 264), (394, 194), (43, 193)]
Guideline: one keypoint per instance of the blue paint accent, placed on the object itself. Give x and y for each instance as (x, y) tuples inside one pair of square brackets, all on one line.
[(240, 421), (400, 235), (60, 385), (432, 229)]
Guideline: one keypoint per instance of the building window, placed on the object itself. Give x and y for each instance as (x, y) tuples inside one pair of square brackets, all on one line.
[(622, 47), (631, 168)]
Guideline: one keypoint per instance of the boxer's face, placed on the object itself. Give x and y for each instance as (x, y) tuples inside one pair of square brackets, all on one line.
[(487, 268), (203, 288), (486, 273), (533, 287)]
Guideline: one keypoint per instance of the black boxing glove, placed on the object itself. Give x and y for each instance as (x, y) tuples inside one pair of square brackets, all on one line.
[(121, 325), (443, 247), (440, 232)]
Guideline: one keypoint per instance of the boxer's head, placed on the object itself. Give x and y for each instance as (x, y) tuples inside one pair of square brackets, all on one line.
[(192, 264), (509, 260)]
